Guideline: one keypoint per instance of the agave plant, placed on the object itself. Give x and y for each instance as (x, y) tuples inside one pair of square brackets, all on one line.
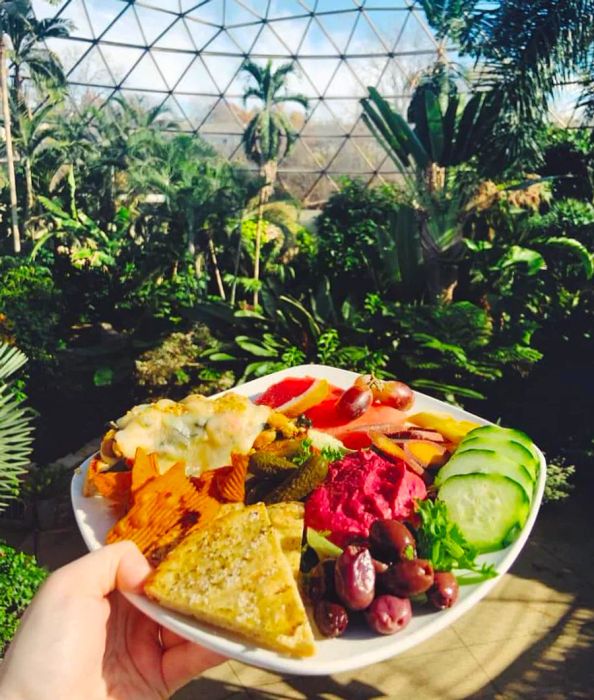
[(431, 158), (15, 427)]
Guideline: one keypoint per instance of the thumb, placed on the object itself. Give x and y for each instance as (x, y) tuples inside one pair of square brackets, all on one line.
[(116, 566)]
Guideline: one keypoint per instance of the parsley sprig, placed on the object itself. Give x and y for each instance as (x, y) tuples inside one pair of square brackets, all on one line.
[(332, 454), (303, 454), (442, 542)]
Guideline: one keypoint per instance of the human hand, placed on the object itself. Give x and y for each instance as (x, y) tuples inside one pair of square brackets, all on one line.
[(81, 638)]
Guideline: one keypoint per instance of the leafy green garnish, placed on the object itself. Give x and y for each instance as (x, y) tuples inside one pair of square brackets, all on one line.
[(322, 545), (303, 454), (332, 454), (442, 542)]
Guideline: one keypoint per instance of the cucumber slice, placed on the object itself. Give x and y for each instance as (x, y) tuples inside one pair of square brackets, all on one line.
[(486, 462), (497, 432), (506, 448), (489, 509)]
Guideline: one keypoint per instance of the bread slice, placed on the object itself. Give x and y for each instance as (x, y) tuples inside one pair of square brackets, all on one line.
[(233, 574), (287, 520)]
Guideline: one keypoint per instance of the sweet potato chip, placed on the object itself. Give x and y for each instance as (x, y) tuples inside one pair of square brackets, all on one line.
[(165, 509), (144, 469), (114, 485), (232, 488)]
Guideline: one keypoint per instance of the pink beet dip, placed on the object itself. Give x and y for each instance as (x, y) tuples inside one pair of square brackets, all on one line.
[(360, 489)]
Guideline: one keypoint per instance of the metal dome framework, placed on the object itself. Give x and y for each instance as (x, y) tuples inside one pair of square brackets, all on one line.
[(187, 56)]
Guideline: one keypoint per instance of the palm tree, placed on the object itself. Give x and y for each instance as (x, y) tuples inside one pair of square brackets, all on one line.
[(269, 135), (14, 217), (26, 34), (15, 427), (523, 51), (34, 133), (29, 54)]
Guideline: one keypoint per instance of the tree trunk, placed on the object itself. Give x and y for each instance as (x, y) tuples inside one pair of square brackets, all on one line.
[(14, 218), (268, 172), (28, 193), (441, 275), (237, 260), (217, 271), (441, 271), (258, 242)]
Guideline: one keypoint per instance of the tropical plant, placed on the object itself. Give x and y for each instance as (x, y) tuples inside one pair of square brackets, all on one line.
[(286, 332), (269, 135), (15, 427), (7, 126), (524, 52), (33, 134), (201, 193), (28, 53), (86, 243), (26, 34), (568, 159), (287, 248)]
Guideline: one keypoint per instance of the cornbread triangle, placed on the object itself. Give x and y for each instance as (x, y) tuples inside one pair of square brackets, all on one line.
[(233, 574), (287, 520)]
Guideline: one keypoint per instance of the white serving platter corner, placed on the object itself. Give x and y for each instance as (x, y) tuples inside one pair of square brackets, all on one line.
[(357, 648)]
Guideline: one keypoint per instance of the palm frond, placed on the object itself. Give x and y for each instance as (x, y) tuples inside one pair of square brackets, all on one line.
[(15, 427), (11, 360), (254, 70), (298, 98)]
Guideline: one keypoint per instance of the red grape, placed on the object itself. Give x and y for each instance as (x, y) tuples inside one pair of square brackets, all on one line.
[(354, 402), (396, 394)]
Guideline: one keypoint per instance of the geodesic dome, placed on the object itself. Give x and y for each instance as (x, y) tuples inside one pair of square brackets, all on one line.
[(187, 56)]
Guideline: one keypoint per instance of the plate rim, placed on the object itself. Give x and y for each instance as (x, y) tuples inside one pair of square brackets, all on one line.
[(234, 647)]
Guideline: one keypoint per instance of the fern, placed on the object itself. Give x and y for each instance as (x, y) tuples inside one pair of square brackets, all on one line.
[(15, 427)]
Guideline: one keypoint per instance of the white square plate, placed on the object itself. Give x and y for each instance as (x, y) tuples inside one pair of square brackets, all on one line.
[(356, 648)]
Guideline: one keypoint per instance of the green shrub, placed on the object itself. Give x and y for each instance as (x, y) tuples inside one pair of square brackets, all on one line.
[(161, 296), (20, 577), (348, 230), (558, 485), (32, 307)]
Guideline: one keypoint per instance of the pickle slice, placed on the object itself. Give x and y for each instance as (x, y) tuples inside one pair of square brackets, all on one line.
[(300, 483), (268, 464)]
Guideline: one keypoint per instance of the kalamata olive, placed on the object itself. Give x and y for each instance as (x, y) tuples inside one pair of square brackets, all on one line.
[(388, 614), (354, 577), (391, 541), (379, 566), (444, 591), (408, 577), (354, 402), (320, 581), (331, 618), (357, 540)]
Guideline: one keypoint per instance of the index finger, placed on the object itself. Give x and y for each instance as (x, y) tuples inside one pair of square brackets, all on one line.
[(116, 566)]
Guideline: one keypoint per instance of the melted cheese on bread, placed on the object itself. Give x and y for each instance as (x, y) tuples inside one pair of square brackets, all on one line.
[(201, 432)]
